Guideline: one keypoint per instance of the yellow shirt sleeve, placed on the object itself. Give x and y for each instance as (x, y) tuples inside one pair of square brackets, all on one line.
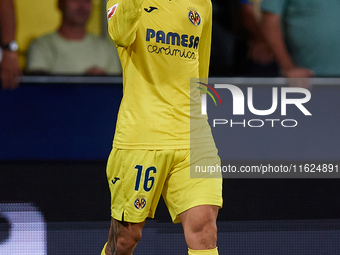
[(123, 17)]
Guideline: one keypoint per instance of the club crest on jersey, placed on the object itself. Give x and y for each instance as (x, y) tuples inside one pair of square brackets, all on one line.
[(111, 11), (194, 17), (140, 203)]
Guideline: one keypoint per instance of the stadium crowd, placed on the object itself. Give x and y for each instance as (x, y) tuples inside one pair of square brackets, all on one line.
[(272, 38)]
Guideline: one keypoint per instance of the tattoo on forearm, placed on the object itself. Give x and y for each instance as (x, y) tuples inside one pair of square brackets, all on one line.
[(115, 232)]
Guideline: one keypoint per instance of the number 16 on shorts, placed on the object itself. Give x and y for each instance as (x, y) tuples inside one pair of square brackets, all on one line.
[(149, 179)]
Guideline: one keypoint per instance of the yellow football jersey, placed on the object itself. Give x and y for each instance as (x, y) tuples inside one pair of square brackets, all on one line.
[(162, 44)]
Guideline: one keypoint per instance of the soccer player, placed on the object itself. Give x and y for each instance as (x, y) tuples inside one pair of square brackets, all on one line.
[(160, 134)]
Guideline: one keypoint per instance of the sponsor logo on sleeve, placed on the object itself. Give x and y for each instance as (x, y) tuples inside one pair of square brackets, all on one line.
[(111, 11)]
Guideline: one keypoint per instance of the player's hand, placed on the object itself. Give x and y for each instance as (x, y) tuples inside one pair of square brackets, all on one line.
[(10, 70), (95, 71), (299, 77)]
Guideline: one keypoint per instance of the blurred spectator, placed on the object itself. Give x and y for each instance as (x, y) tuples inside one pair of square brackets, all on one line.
[(223, 39), (10, 69), (304, 36), (261, 58), (71, 49)]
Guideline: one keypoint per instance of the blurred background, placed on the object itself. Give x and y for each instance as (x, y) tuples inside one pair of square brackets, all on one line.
[(37, 18)]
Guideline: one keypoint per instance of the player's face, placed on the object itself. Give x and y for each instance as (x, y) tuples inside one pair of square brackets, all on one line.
[(76, 12)]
